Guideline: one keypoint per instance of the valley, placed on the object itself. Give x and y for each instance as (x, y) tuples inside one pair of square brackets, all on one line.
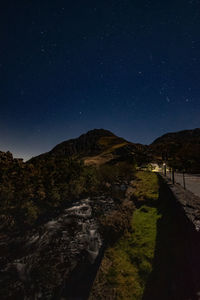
[(82, 221)]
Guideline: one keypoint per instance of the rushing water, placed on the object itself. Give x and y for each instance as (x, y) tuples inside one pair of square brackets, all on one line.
[(67, 248)]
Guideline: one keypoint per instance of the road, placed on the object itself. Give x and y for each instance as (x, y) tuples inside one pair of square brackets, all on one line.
[(192, 182)]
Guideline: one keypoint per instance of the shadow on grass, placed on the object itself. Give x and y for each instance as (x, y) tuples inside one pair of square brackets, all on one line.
[(176, 266)]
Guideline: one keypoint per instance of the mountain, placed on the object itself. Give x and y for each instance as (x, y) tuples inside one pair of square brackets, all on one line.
[(99, 146), (61, 210), (180, 149), (192, 136), (96, 147)]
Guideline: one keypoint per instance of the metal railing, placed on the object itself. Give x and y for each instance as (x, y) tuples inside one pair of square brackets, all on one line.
[(189, 182)]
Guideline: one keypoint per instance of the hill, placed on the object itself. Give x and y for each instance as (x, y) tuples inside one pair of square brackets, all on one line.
[(96, 147), (180, 149)]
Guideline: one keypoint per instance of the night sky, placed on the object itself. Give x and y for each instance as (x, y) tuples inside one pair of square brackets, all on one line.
[(66, 67)]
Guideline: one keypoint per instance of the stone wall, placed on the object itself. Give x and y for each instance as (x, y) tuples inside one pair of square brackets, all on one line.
[(176, 272)]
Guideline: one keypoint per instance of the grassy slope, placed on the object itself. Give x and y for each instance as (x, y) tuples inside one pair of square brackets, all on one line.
[(126, 266), (110, 144)]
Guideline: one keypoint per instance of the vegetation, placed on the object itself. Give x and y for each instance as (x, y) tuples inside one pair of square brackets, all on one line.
[(35, 191), (128, 263), (30, 192)]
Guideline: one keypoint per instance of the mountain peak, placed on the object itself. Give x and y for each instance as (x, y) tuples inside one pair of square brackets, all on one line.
[(87, 143), (99, 132)]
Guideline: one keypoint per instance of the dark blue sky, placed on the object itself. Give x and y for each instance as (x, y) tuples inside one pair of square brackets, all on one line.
[(66, 67)]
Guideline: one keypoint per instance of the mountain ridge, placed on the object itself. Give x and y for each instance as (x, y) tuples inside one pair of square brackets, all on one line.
[(179, 149), (179, 134), (98, 146)]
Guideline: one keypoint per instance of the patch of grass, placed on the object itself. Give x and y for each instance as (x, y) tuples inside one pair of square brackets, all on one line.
[(146, 186), (98, 159), (109, 141), (130, 259), (108, 154)]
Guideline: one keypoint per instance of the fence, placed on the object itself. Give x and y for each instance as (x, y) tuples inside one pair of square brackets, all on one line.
[(190, 182)]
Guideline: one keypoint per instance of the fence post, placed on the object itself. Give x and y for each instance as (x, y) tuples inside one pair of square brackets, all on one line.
[(173, 176), (184, 180), (165, 169)]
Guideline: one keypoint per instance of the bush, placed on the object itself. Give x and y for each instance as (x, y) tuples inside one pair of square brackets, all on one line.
[(114, 224)]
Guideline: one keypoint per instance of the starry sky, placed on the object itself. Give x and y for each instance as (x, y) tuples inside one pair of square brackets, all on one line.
[(66, 67)]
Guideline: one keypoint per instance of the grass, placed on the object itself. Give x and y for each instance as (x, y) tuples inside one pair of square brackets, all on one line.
[(108, 142), (146, 186), (127, 265), (108, 153)]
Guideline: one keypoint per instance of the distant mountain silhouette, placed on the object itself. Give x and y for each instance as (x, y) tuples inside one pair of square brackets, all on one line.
[(95, 147), (181, 149), (192, 135)]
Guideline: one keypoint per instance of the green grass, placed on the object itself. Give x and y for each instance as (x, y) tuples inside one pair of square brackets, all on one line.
[(131, 258), (111, 141), (146, 186)]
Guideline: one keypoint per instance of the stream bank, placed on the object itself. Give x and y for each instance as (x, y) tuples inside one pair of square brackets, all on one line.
[(128, 263)]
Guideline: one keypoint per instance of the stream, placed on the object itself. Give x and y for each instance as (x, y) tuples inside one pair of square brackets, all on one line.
[(59, 256)]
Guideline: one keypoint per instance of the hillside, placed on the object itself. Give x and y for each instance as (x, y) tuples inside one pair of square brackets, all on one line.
[(96, 147), (180, 150)]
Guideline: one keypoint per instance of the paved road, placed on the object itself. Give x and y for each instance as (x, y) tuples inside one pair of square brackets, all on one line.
[(192, 182)]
